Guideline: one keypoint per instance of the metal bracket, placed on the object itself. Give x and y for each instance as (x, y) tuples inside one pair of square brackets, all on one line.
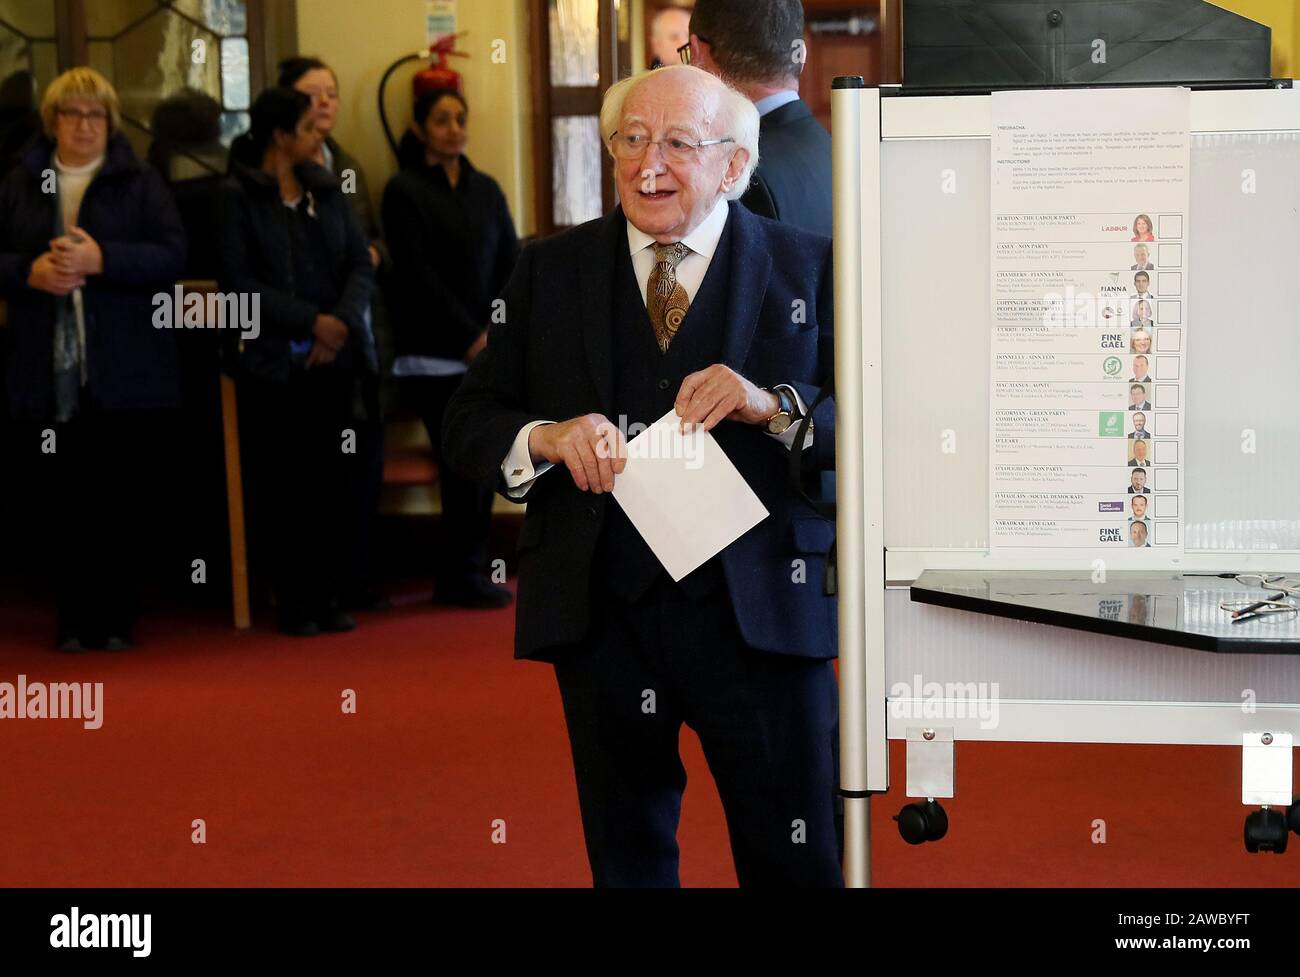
[(931, 761), (1265, 768)]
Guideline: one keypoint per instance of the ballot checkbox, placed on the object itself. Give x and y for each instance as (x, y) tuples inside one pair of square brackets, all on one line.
[(1166, 395), (1166, 425), (1169, 312), (1169, 226), (1166, 506), (1165, 480), (1169, 283), (1169, 256), (1166, 534), (1166, 452), (1169, 340), (1168, 367)]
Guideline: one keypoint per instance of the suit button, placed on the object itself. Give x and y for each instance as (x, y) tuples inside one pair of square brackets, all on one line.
[(590, 512), (663, 384)]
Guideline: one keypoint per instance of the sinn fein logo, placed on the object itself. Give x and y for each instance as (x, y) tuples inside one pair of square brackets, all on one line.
[(107, 931)]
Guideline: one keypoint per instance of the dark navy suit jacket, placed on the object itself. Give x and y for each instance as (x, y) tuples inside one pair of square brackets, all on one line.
[(793, 181), (551, 360)]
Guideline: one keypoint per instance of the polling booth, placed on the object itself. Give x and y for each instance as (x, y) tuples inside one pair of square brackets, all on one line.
[(1068, 435)]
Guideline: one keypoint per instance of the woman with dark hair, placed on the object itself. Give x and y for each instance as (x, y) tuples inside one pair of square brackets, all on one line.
[(88, 237), (288, 236), (454, 246), (315, 79)]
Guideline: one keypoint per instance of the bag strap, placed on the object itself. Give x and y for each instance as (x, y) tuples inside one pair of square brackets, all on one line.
[(824, 509)]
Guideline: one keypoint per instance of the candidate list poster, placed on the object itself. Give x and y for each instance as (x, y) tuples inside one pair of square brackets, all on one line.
[(1089, 228)]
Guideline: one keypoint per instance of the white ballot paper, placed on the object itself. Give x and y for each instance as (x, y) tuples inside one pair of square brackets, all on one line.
[(684, 496)]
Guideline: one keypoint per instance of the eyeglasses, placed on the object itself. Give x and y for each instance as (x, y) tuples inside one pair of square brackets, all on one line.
[(76, 117), (633, 145), (684, 52), (1277, 581)]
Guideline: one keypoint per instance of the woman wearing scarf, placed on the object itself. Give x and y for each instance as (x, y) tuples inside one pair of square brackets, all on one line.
[(88, 238)]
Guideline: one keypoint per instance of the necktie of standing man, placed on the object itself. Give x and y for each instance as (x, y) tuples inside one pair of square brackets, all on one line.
[(666, 301)]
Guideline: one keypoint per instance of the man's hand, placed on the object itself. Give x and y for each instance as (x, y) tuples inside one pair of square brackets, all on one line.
[(331, 332), (48, 276), (591, 446), (718, 393), (77, 253), (476, 347)]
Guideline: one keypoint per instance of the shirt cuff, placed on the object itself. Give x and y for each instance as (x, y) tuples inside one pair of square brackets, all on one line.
[(518, 469), (788, 435)]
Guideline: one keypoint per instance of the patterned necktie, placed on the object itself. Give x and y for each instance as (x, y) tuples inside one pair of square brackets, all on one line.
[(666, 301)]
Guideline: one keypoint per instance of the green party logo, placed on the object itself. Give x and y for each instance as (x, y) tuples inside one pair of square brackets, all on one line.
[(1112, 366), (1110, 424)]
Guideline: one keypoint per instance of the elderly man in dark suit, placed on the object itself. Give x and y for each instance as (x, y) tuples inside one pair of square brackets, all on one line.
[(679, 299), (757, 46)]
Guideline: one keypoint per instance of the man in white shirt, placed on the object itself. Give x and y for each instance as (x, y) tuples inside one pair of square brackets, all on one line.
[(679, 301)]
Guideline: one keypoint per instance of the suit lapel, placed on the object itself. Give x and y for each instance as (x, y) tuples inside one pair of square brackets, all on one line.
[(596, 263), (751, 266)]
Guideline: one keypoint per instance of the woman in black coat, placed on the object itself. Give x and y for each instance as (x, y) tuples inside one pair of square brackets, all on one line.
[(453, 246), (317, 80), (89, 238), (288, 236)]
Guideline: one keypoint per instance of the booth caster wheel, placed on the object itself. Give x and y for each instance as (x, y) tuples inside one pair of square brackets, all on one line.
[(1266, 830), (927, 821), (1293, 816)]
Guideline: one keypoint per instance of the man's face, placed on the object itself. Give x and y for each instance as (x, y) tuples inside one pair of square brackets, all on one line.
[(1139, 423), (1140, 366), (668, 199), (669, 31), (1139, 506), (1136, 395), (1141, 281), (1141, 255), (1140, 450), (1139, 479)]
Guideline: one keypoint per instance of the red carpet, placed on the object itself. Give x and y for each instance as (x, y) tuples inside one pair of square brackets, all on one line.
[(245, 731)]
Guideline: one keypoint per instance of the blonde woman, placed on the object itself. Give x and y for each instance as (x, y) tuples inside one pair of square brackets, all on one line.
[(87, 237)]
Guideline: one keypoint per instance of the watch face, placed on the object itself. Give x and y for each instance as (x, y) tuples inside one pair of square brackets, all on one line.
[(779, 424)]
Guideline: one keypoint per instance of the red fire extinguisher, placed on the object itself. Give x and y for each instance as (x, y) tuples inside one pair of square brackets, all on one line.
[(437, 75)]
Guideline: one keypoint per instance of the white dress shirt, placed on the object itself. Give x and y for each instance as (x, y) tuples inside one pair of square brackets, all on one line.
[(518, 468)]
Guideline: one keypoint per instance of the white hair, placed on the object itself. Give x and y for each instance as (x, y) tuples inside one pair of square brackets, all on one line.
[(737, 118)]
